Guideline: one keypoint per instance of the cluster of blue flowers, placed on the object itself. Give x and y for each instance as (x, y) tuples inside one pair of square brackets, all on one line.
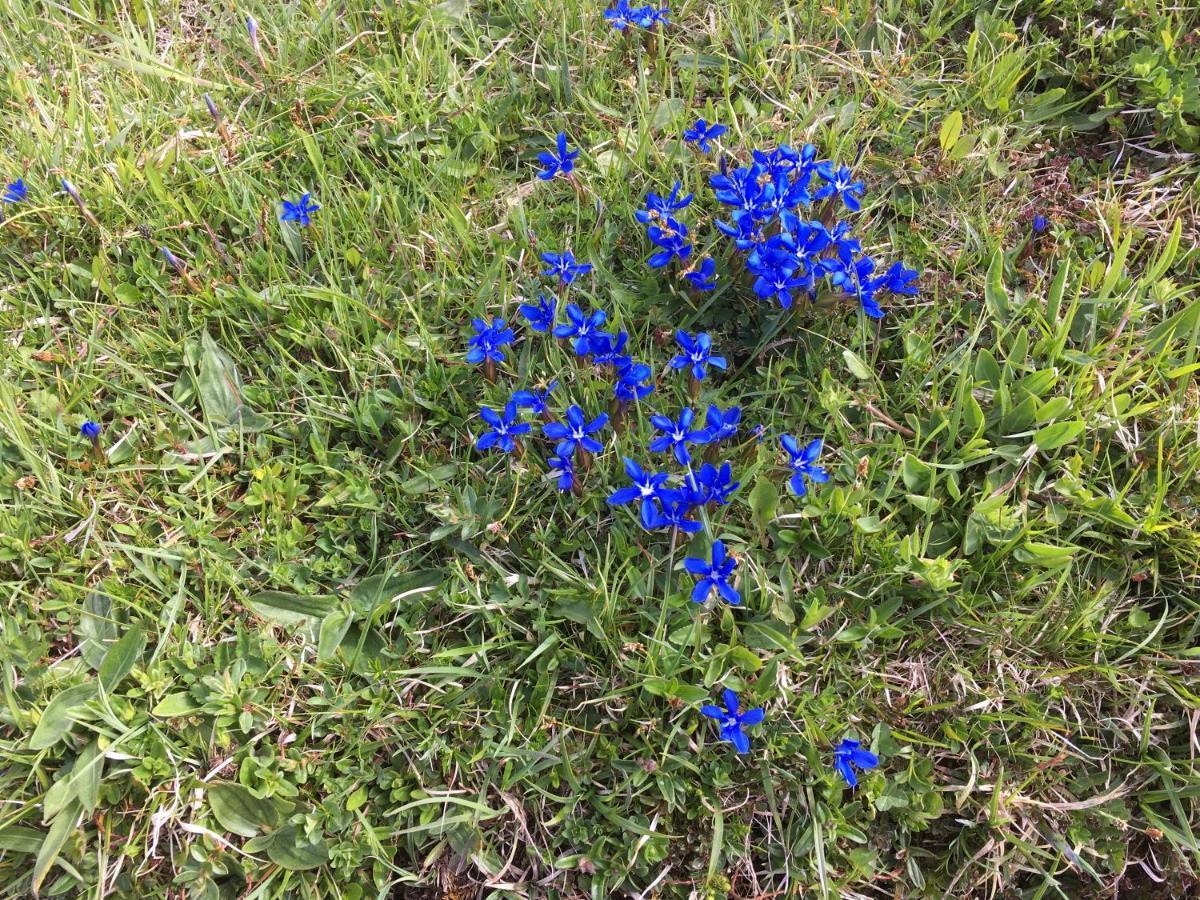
[(622, 16)]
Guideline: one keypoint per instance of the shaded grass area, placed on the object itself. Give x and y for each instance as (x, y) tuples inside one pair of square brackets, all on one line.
[(292, 635)]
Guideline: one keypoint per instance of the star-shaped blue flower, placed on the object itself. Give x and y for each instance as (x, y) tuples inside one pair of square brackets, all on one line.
[(540, 315), (849, 755), (580, 327), (714, 575), (485, 344), (840, 183), (15, 192), (672, 236), (535, 401), (299, 212), (697, 354), (647, 486), (577, 431), (803, 462), (661, 207), (722, 425), (672, 514), (703, 278), (608, 349), (677, 435), (732, 722), (701, 133), (560, 163), (563, 267), (565, 468), (710, 484), (630, 386), (504, 429), (90, 430)]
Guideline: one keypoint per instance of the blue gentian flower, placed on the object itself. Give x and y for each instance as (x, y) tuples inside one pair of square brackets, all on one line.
[(803, 463), (710, 484), (580, 327), (563, 267), (722, 425), (839, 183), (560, 163), (671, 236), (90, 430), (744, 228), (849, 755), (172, 260), (898, 280), (742, 188), (696, 355), (648, 16), (299, 212), (504, 428), (252, 28), (1040, 224), (677, 435), (779, 271), (732, 722), (673, 514), (535, 401), (485, 344), (565, 468), (714, 575), (608, 349), (629, 386), (703, 278), (620, 16), (15, 192), (701, 133), (647, 486), (540, 316), (661, 207), (576, 432)]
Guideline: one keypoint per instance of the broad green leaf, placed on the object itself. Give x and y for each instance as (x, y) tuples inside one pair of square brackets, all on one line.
[(220, 389), (56, 718), (81, 784), (52, 844), (240, 811), (857, 367), (121, 658), (291, 609), (289, 849), (995, 294), (764, 500), (1051, 437), (388, 591), (333, 628), (19, 839), (949, 133), (178, 704), (97, 630)]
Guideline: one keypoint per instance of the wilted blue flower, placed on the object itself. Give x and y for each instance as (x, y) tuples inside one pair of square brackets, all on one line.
[(803, 463), (504, 428), (565, 468), (672, 236), (849, 755), (661, 207), (535, 401), (560, 163), (299, 212), (672, 514), (252, 28), (580, 327), (701, 133), (839, 183), (732, 722), (172, 260), (15, 192), (563, 267), (703, 278), (629, 385), (722, 425), (540, 315), (697, 354), (677, 435), (710, 484), (90, 430), (1040, 223), (714, 575), (488, 339), (576, 432), (647, 486)]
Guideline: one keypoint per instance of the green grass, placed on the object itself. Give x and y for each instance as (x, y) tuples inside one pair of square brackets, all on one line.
[(293, 636)]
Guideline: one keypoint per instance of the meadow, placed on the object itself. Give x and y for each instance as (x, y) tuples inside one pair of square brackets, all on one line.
[(295, 604)]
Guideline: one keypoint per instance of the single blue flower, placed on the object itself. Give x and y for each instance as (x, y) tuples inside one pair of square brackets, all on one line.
[(780, 271), (722, 425), (504, 428), (661, 207), (677, 435), (620, 16), (732, 722), (565, 468), (672, 236), (560, 163), (1040, 223), (710, 484), (647, 486), (172, 260), (252, 29), (90, 430), (299, 212), (15, 192), (744, 228), (803, 462), (696, 355), (714, 575), (540, 316), (742, 188), (534, 401), (576, 432), (72, 191), (485, 344), (648, 16), (564, 267), (608, 349), (869, 305), (703, 278), (629, 385), (580, 327), (849, 755), (701, 133), (672, 514), (840, 183), (898, 280)]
